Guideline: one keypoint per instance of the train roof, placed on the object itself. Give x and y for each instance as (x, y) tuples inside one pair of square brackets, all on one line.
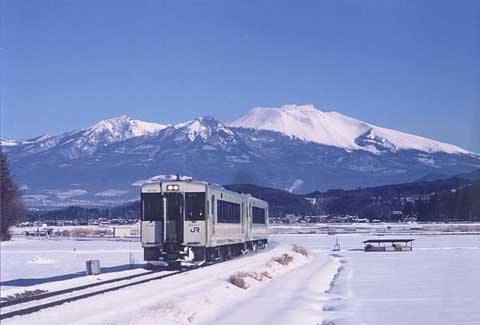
[(211, 185), (188, 181)]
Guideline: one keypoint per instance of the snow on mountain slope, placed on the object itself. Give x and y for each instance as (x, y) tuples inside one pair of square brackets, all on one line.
[(78, 143), (203, 127), (86, 141), (83, 142), (33, 141), (121, 128), (207, 132), (9, 143), (335, 129)]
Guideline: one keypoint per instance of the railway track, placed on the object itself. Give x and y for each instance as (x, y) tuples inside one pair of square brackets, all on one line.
[(28, 305)]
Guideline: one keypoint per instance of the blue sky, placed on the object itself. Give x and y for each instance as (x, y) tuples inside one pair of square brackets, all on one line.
[(408, 65)]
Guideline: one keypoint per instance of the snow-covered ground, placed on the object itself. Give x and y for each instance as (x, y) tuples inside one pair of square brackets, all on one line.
[(194, 297), (437, 283), (26, 262)]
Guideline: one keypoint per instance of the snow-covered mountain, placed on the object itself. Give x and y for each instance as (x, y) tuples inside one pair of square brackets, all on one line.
[(204, 128), (334, 129), (80, 143), (120, 128), (86, 141), (298, 148)]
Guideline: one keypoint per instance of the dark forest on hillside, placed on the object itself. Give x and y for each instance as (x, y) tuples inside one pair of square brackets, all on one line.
[(452, 199)]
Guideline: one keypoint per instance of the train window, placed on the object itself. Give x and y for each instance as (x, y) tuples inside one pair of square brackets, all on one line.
[(258, 215), (228, 212), (194, 206), (152, 207)]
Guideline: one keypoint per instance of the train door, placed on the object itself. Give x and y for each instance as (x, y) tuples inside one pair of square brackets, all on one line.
[(213, 222), (174, 218), (244, 222)]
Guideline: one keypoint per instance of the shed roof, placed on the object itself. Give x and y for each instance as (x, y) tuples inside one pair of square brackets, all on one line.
[(388, 241)]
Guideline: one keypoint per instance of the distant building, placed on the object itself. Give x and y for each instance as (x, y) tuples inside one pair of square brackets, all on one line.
[(126, 232)]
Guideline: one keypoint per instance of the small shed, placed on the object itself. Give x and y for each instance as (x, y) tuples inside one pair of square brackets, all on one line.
[(388, 245)]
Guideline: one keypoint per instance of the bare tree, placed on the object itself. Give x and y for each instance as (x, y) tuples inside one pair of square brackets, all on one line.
[(11, 205)]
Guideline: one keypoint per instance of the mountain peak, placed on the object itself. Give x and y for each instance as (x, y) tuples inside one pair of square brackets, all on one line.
[(86, 141), (207, 119), (335, 129), (305, 122), (203, 127), (123, 127), (294, 107)]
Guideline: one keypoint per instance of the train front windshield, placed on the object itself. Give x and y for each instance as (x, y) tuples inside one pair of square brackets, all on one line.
[(153, 206)]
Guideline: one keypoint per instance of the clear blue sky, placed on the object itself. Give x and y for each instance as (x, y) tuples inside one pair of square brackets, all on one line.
[(408, 65)]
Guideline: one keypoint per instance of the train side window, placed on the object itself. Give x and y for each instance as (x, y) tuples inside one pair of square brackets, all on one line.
[(258, 215), (228, 212), (152, 207)]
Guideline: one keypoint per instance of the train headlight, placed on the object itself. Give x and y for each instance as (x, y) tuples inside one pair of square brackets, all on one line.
[(173, 187)]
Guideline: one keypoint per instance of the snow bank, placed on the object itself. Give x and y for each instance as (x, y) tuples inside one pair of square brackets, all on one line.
[(215, 295)]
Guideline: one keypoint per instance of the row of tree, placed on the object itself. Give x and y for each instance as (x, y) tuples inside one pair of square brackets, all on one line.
[(460, 205), (127, 211)]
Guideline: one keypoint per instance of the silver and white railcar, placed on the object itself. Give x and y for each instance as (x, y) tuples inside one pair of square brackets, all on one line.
[(184, 218)]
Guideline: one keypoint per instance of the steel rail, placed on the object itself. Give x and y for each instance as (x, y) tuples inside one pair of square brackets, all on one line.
[(68, 290), (35, 308)]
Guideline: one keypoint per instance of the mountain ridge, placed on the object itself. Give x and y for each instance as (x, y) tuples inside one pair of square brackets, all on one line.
[(105, 163), (361, 136), (333, 128)]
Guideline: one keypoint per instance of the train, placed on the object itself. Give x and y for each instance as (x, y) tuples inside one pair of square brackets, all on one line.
[(195, 221)]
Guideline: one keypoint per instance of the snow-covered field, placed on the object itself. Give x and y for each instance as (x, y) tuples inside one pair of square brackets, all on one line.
[(437, 283), (26, 262), (199, 296)]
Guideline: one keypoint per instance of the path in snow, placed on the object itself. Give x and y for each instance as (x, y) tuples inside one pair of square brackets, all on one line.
[(298, 297)]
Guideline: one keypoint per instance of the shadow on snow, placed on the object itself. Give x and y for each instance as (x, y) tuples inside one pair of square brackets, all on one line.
[(34, 281)]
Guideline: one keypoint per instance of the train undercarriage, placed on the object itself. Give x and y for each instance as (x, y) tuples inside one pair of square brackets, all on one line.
[(175, 254)]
